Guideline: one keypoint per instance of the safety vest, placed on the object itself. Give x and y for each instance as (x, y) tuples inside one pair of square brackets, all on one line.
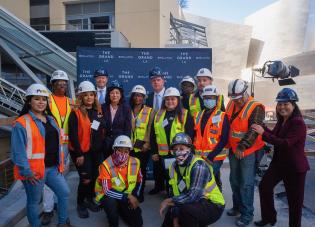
[(239, 126), (142, 121), (117, 181), (62, 123), (35, 149), (195, 106), (211, 191), (84, 131), (177, 127), (206, 142)]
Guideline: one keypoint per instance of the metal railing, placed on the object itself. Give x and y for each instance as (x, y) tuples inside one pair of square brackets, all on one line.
[(6, 176), (73, 27)]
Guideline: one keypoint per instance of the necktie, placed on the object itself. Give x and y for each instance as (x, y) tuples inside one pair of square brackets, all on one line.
[(157, 103), (101, 97)]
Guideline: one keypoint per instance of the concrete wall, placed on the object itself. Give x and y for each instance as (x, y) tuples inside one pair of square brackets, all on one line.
[(20, 9), (57, 12)]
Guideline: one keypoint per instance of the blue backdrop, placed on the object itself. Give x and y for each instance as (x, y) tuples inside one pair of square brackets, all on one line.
[(131, 65)]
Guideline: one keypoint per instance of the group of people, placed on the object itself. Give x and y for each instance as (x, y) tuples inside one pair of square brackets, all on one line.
[(187, 135)]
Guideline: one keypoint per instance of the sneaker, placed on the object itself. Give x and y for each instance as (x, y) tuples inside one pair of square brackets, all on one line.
[(154, 191), (65, 225), (241, 223), (91, 205), (264, 223), (233, 212), (46, 218), (82, 211)]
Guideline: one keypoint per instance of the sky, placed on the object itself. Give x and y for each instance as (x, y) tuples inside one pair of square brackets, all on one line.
[(226, 10)]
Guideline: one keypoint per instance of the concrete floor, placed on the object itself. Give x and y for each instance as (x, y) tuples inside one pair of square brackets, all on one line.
[(151, 206)]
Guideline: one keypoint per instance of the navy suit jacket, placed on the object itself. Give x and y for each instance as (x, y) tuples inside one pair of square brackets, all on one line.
[(149, 101)]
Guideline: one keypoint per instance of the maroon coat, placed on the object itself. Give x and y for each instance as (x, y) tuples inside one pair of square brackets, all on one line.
[(289, 144)]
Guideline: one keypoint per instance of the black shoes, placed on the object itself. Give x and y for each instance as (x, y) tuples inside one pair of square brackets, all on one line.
[(91, 205), (233, 212), (46, 218), (82, 211), (154, 191), (264, 223)]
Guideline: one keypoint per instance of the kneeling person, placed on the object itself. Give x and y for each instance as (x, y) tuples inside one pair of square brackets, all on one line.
[(118, 185), (197, 200)]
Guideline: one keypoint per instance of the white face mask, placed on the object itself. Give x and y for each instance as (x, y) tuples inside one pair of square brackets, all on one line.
[(210, 103)]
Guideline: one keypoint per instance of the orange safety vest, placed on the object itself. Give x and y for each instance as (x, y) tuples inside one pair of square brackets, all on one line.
[(84, 131), (35, 149), (239, 126), (206, 142)]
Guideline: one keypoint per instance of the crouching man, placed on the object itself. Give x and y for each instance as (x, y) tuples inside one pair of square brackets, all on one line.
[(118, 185), (197, 200)]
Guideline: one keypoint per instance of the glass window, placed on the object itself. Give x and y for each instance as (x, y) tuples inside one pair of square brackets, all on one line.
[(39, 2), (91, 8), (73, 9)]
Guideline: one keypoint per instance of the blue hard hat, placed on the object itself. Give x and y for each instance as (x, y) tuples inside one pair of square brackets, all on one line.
[(115, 84), (287, 95), (181, 138), (156, 71), (100, 72)]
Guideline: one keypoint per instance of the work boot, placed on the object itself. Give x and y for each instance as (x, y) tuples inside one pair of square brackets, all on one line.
[(82, 211), (264, 223), (233, 212), (46, 217), (91, 205)]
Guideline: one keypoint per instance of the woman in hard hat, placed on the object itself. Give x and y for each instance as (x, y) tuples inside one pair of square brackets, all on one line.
[(195, 200), (289, 163), (141, 122), (37, 155), (168, 121), (86, 135), (118, 185), (117, 115)]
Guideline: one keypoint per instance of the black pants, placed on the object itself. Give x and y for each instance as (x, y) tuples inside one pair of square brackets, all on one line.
[(113, 208), (88, 173), (158, 174), (144, 158), (294, 185), (202, 213)]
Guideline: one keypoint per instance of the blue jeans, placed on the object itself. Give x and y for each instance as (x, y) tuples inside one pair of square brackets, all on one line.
[(58, 185), (242, 180), (216, 166)]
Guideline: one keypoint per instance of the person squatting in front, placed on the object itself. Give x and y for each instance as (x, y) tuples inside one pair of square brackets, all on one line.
[(118, 185), (36, 149), (196, 199), (86, 134)]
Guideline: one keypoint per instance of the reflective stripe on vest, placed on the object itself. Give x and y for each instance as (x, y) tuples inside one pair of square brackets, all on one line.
[(239, 126), (211, 191), (140, 130), (176, 127), (194, 105)]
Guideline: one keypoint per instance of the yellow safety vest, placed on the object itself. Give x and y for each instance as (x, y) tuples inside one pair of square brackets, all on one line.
[(211, 191), (195, 107), (177, 127), (142, 121), (62, 123), (117, 181)]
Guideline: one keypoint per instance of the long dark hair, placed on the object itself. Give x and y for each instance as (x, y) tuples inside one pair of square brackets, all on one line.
[(27, 107), (178, 109), (132, 105), (107, 97), (296, 112)]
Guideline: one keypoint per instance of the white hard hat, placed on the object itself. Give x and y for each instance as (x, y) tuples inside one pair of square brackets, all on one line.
[(59, 75), (209, 90), (188, 79), (86, 86), (139, 89), (204, 72), (122, 141), (237, 88), (37, 89), (171, 91)]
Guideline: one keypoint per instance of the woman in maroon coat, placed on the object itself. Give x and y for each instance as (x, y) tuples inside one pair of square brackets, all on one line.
[(289, 163)]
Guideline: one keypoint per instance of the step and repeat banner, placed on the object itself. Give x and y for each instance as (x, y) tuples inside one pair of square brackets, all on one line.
[(131, 66)]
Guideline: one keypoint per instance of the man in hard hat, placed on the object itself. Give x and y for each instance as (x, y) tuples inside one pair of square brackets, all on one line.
[(157, 81), (118, 185), (60, 106), (196, 199), (101, 78), (211, 131), (187, 86), (245, 145), (195, 103)]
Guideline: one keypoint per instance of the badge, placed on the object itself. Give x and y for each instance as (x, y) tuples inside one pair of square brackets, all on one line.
[(117, 182), (138, 123), (216, 119), (168, 162), (165, 123), (181, 186), (95, 125)]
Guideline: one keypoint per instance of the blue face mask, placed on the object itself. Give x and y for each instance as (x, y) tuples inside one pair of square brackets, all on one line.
[(210, 103)]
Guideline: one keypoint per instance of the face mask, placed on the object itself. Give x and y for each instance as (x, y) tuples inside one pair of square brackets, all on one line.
[(210, 103), (182, 156), (120, 158)]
